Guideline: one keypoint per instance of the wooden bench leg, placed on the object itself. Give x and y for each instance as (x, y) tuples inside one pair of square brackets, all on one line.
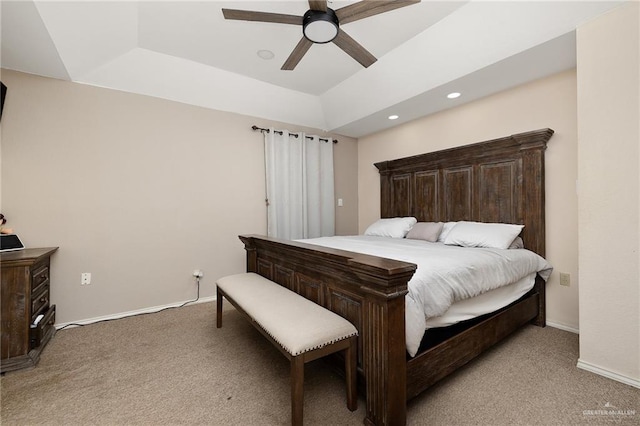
[(297, 389), (218, 308), (350, 367)]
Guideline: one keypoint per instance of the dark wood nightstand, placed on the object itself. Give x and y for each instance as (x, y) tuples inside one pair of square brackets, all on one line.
[(25, 277)]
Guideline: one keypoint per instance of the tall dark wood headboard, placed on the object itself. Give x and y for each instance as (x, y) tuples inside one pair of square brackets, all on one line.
[(483, 182)]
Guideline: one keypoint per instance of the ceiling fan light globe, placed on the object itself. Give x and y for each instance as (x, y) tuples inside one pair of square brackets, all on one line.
[(320, 27)]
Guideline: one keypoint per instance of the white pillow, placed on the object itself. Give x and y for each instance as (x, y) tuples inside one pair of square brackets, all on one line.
[(396, 227), (446, 228), (478, 234)]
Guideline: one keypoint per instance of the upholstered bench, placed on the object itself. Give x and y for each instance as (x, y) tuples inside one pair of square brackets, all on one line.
[(302, 330)]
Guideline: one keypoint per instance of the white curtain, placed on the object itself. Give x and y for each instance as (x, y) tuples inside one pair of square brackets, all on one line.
[(300, 193)]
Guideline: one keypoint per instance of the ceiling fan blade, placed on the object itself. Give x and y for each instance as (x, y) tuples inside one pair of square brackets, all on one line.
[(354, 49), (250, 15), (320, 5), (297, 54), (366, 8)]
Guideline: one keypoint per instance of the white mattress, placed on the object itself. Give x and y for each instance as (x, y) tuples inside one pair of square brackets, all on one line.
[(445, 274), (487, 302)]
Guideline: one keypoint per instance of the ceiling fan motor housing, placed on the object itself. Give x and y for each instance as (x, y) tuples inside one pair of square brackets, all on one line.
[(319, 26)]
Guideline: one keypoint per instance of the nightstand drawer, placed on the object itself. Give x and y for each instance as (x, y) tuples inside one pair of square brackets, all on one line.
[(40, 277), (39, 301), (44, 326)]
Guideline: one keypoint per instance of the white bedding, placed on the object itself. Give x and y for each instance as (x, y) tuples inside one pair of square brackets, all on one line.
[(485, 303), (445, 274)]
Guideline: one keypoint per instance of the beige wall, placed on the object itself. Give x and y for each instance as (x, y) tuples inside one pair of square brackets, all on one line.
[(609, 207), (549, 102), (138, 191)]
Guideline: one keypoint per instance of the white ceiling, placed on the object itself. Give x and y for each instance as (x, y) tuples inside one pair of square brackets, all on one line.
[(186, 51)]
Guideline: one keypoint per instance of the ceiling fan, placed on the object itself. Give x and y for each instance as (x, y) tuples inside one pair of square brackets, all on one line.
[(321, 24)]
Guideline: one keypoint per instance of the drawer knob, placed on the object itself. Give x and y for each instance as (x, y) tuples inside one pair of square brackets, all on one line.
[(43, 299)]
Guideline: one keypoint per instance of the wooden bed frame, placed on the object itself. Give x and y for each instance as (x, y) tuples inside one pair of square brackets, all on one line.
[(501, 180)]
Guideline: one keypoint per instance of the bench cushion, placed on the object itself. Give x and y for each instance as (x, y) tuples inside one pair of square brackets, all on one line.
[(297, 324)]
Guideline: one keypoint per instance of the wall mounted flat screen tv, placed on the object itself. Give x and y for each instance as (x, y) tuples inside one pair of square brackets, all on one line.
[(3, 93)]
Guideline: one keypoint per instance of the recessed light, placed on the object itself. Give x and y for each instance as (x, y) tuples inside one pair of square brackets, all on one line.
[(265, 54), (394, 117), (453, 95)]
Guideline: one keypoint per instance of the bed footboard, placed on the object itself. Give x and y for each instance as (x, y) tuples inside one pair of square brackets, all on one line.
[(366, 290)]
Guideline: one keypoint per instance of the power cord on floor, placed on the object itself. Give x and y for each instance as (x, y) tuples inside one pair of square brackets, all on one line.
[(197, 277)]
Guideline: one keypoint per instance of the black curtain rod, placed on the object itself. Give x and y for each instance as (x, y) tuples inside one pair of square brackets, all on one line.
[(295, 135)]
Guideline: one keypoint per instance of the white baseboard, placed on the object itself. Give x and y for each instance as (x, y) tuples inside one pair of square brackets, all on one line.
[(148, 310), (563, 327), (608, 374)]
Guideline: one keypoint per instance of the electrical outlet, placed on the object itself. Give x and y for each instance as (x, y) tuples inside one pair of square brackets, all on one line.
[(565, 279), (85, 279), (197, 273)]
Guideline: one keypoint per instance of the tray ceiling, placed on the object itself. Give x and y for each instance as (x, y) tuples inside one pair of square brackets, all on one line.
[(187, 52)]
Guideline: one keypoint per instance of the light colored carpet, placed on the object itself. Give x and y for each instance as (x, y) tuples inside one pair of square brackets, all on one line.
[(175, 367)]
